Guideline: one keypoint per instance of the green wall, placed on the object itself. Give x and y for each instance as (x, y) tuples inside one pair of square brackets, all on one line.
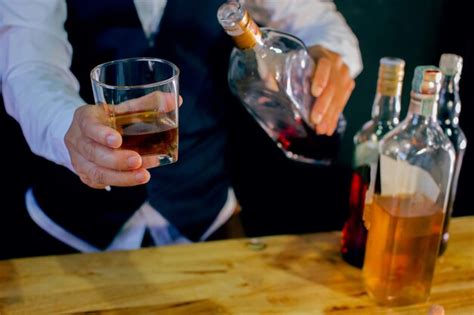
[(399, 28)]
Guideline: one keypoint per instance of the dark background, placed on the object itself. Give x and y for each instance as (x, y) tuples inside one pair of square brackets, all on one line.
[(417, 31)]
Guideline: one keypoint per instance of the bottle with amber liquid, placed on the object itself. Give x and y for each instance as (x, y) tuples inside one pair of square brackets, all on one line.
[(411, 192), (448, 117), (271, 72), (385, 117)]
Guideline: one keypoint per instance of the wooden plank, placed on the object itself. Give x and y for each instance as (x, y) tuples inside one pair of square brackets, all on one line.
[(292, 274)]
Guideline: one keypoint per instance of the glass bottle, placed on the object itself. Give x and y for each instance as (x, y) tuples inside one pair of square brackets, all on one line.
[(411, 192), (270, 72), (385, 117), (448, 118)]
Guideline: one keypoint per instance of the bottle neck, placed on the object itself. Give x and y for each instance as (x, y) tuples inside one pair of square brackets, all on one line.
[(386, 107), (423, 106), (449, 105)]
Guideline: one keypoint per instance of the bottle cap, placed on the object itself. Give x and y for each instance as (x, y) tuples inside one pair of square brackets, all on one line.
[(450, 64), (392, 67), (427, 80), (237, 22), (391, 73), (230, 15)]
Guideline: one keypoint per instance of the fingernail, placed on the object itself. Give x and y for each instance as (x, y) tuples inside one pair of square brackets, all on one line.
[(317, 118), (111, 140), (322, 128), (317, 91), (133, 161), (141, 177)]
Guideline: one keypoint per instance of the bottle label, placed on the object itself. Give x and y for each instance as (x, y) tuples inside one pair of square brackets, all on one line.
[(400, 178)]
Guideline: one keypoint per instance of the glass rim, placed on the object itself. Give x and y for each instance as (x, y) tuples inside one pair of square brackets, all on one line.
[(147, 85)]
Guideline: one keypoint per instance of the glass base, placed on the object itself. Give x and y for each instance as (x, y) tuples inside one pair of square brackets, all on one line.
[(166, 159), (163, 159), (402, 300)]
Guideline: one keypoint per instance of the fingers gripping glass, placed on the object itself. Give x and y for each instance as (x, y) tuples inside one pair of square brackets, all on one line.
[(140, 98)]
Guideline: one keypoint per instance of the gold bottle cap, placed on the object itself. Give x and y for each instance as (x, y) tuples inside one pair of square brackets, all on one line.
[(450, 64), (237, 22), (391, 73)]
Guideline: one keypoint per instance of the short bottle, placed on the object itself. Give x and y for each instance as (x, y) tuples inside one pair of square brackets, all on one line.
[(270, 72), (411, 192), (448, 117), (385, 117)]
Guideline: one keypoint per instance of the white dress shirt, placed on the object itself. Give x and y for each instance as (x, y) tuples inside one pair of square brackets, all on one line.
[(41, 93)]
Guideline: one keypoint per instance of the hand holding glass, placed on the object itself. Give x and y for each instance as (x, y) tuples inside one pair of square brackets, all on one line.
[(140, 97)]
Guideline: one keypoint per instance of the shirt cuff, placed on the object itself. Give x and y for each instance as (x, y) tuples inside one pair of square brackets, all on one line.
[(62, 124)]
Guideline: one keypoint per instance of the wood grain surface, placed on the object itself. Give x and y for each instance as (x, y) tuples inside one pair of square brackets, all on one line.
[(291, 275)]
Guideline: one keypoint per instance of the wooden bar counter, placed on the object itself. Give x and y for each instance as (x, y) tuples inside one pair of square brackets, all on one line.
[(292, 274)]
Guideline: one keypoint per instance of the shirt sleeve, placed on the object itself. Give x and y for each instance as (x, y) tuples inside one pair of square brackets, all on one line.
[(39, 90), (315, 22)]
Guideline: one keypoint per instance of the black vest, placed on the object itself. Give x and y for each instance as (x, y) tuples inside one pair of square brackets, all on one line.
[(189, 193)]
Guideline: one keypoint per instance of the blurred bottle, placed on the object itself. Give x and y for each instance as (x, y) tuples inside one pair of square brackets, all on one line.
[(448, 117), (385, 117), (271, 72), (409, 203)]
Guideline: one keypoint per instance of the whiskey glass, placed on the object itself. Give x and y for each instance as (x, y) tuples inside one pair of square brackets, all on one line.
[(140, 97)]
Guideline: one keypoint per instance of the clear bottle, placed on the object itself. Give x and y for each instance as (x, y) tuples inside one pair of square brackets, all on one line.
[(270, 72), (385, 117), (448, 117), (409, 203)]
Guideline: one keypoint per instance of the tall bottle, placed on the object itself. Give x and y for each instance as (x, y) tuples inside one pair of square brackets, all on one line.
[(270, 72), (409, 203), (385, 117), (448, 117)]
